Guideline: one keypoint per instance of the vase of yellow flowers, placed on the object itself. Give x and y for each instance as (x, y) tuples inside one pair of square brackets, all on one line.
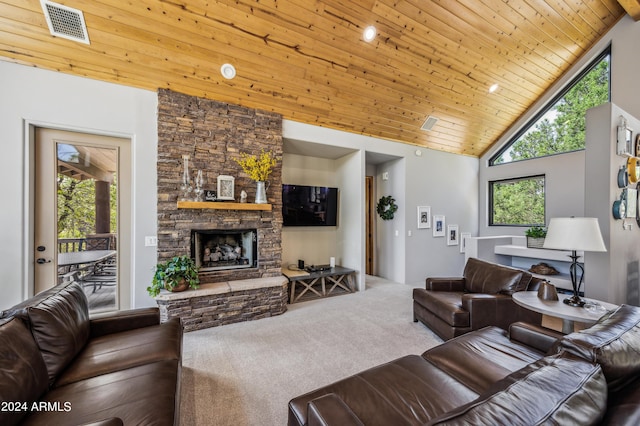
[(258, 168)]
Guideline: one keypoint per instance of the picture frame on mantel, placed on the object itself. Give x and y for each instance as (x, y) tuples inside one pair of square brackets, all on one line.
[(226, 188)]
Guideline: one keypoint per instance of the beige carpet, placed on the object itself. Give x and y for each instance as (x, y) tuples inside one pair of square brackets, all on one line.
[(245, 373)]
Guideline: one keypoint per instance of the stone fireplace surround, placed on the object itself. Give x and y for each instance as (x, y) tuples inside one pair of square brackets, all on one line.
[(213, 134)]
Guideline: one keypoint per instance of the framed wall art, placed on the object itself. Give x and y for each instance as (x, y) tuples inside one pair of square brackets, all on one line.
[(424, 217), (438, 225), (452, 235), (464, 236), (225, 188)]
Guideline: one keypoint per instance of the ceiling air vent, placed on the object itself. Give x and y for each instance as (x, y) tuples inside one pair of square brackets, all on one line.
[(429, 123), (65, 21)]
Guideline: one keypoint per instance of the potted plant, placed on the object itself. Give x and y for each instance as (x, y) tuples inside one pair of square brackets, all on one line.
[(258, 168), (175, 274), (535, 236)]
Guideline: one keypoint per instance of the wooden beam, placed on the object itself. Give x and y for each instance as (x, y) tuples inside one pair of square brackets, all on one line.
[(632, 7)]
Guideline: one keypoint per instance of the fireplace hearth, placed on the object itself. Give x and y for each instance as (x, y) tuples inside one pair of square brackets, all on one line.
[(216, 249)]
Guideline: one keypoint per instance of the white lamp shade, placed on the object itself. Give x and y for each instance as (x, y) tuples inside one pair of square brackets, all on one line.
[(574, 233)]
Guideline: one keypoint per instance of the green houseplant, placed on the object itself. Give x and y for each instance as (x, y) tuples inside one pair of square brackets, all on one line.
[(535, 236), (175, 274)]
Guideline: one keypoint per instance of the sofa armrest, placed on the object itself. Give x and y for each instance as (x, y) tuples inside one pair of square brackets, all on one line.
[(444, 284), (534, 336), (486, 309), (123, 321), (329, 410)]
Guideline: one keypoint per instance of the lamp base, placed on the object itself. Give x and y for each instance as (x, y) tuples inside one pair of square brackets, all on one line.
[(574, 301)]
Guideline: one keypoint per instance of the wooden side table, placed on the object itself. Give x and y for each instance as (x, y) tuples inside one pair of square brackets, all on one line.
[(321, 283), (558, 309)]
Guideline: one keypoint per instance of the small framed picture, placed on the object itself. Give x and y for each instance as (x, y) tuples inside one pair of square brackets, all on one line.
[(225, 187), (210, 195), (464, 236), (452, 235), (424, 217), (438, 225)]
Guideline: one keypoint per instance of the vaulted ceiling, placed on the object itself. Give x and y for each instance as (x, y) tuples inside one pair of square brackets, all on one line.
[(307, 60)]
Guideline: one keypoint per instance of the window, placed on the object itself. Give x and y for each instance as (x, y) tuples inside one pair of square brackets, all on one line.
[(560, 127), (518, 201)]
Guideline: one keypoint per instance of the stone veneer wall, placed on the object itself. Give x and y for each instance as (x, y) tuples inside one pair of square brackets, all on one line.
[(214, 134)]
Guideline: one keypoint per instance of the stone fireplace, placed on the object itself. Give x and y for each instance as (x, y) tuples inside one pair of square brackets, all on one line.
[(217, 249), (214, 135)]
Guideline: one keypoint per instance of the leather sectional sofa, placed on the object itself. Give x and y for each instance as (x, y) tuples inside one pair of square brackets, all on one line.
[(59, 367), (451, 307), (528, 375)]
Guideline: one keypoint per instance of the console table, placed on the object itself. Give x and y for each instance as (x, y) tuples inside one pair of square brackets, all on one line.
[(321, 283)]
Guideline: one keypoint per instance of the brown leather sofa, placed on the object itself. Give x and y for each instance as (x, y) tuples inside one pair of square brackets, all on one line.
[(451, 307), (529, 375), (59, 367)]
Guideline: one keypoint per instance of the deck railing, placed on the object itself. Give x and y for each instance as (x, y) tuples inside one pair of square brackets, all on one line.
[(68, 245)]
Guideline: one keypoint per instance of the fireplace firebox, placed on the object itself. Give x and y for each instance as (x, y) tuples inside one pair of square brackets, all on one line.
[(216, 249)]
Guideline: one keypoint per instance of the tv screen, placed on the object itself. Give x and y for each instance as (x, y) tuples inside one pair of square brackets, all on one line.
[(309, 205)]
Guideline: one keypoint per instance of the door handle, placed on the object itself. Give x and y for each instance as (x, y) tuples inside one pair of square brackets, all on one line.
[(42, 260)]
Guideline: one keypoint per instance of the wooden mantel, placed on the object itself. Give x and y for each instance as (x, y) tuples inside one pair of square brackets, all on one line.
[(222, 205)]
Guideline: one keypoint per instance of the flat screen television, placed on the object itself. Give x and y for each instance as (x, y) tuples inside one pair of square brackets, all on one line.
[(309, 205)]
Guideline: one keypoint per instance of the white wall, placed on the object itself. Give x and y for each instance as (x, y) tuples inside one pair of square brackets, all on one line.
[(446, 182), (351, 232), (390, 252), (50, 99), (610, 276)]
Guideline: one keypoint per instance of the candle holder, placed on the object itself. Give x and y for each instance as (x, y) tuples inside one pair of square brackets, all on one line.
[(199, 191), (186, 187)]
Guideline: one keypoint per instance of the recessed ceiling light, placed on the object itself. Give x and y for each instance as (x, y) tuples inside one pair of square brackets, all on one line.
[(369, 33), (228, 71), (493, 88)]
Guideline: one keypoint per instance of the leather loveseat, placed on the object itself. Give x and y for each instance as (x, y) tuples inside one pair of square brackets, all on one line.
[(481, 297), (59, 367), (529, 375)]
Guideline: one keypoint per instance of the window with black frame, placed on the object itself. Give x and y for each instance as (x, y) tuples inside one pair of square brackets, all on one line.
[(518, 201), (560, 127)]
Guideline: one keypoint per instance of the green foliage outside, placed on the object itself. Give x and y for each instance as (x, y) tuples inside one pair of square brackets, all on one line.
[(561, 129), (76, 207), (519, 202)]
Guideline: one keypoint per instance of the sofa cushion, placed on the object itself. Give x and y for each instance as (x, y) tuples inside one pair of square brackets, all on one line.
[(60, 327), (23, 375), (20, 310), (489, 347), (623, 406), (445, 305), (560, 389), (613, 342), (408, 390), (119, 351), (491, 278), (144, 395)]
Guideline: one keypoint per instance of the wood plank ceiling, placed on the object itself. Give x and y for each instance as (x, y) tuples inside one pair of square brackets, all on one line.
[(306, 59)]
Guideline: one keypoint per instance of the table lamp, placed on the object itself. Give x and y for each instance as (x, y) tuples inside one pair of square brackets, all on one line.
[(574, 233)]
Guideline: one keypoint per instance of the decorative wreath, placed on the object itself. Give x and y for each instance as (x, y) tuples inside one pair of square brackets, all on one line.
[(387, 207)]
